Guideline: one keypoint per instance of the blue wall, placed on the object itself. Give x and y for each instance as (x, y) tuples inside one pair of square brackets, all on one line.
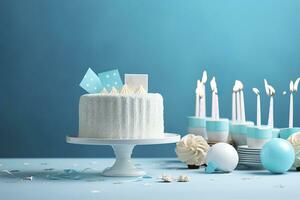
[(46, 47)]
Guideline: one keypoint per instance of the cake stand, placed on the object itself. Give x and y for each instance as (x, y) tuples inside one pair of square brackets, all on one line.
[(123, 148)]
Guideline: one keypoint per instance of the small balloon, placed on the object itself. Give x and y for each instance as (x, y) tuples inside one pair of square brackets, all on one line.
[(277, 155), (222, 157)]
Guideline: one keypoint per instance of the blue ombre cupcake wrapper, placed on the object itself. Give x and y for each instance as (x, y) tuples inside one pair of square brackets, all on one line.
[(196, 122), (217, 125), (285, 133), (240, 128), (259, 133)]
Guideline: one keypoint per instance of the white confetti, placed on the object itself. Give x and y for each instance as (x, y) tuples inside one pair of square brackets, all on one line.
[(28, 178), (95, 191)]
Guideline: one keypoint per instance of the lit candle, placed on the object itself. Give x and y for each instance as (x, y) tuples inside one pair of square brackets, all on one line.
[(217, 117), (233, 112), (238, 103), (213, 104), (243, 114), (258, 110), (291, 113), (203, 99), (271, 113), (197, 100), (270, 92)]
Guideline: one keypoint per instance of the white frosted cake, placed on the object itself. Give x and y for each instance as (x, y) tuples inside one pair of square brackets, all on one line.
[(121, 115)]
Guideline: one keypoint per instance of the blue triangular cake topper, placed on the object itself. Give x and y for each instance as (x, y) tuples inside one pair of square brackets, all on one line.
[(111, 79), (91, 82)]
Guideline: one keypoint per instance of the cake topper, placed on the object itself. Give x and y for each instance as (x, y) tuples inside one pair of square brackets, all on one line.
[(110, 79), (258, 107), (293, 89), (134, 81), (91, 82), (271, 93)]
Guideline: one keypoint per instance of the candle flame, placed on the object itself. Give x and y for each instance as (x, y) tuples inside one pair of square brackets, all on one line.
[(291, 86), (256, 91), (284, 93), (204, 77), (213, 85), (296, 84)]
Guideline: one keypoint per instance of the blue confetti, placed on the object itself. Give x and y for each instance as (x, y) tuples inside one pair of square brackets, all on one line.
[(91, 82), (111, 79)]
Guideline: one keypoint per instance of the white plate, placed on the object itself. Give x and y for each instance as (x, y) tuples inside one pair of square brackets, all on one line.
[(246, 148)]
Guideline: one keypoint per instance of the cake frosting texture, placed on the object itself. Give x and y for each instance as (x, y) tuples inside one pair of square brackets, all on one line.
[(121, 116)]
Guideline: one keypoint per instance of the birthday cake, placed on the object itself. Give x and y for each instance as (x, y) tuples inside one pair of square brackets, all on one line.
[(121, 114)]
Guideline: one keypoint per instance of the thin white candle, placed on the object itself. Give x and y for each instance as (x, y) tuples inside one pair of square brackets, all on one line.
[(217, 117), (197, 99), (270, 92), (196, 104), (203, 99), (258, 112), (243, 115), (203, 103), (291, 113), (233, 112), (213, 106), (258, 109), (271, 113), (238, 106), (213, 89)]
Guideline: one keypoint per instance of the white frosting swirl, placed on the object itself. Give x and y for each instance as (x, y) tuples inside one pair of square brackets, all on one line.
[(104, 92), (125, 90), (192, 149), (114, 91), (294, 139), (141, 91)]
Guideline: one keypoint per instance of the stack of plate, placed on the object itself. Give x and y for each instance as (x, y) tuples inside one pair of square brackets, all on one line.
[(248, 156)]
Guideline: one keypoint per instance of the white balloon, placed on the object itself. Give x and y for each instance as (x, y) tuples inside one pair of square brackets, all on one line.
[(223, 156)]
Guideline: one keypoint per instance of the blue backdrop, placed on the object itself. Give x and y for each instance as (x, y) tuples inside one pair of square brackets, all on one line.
[(46, 47)]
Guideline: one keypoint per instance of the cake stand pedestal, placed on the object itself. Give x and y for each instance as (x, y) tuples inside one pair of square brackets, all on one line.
[(123, 148)]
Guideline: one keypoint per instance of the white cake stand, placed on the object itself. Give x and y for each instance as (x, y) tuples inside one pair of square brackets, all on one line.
[(123, 148)]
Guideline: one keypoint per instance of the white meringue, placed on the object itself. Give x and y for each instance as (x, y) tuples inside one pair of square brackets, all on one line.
[(294, 139), (192, 149), (183, 178), (125, 90)]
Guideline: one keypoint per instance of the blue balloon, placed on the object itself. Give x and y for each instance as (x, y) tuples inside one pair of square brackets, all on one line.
[(277, 155)]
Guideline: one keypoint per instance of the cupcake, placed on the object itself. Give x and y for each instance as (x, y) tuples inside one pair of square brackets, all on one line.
[(192, 150)]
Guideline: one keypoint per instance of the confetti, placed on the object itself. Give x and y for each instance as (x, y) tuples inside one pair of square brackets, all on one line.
[(14, 171), (95, 191), (28, 178), (49, 169)]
